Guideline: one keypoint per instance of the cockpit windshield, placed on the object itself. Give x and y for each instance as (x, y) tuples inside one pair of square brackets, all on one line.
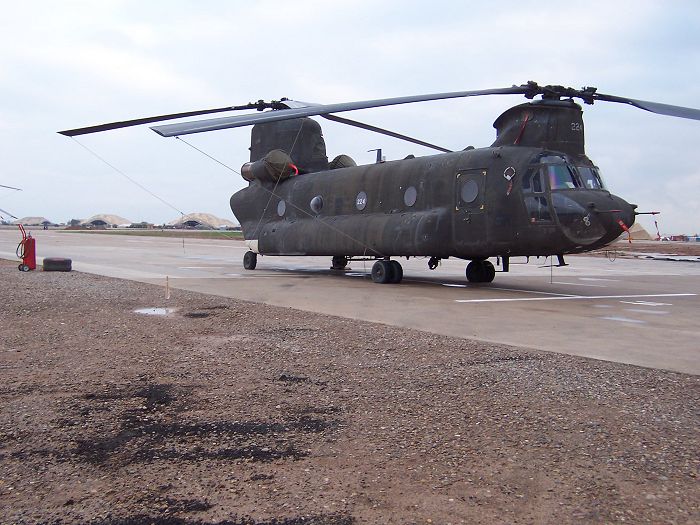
[(562, 175), (590, 178), (559, 174)]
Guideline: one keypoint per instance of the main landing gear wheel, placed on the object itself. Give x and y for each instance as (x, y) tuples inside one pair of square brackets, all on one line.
[(250, 260), (381, 272), (480, 272), (396, 272), (23, 268), (339, 262), (387, 272)]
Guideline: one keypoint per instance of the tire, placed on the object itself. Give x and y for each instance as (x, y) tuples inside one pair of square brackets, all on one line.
[(23, 268), (489, 272), (382, 272), (250, 260), (396, 272), (475, 272), (57, 264), (480, 272), (339, 262)]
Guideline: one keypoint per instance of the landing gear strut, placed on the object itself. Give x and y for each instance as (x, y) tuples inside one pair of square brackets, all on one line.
[(480, 272)]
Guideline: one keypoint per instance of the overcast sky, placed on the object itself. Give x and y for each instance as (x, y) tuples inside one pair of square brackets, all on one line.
[(66, 64)]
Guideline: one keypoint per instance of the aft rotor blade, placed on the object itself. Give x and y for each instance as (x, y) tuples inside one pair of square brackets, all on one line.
[(369, 127), (10, 187), (654, 107), (200, 126), (150, 120)]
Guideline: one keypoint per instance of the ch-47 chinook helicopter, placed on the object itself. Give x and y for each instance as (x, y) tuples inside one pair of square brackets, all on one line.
[(533, 192)]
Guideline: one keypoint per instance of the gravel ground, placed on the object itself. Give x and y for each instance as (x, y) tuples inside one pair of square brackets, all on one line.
[(229, 412)]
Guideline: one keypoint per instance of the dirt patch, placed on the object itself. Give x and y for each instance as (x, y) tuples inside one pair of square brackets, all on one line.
[(259, 415)]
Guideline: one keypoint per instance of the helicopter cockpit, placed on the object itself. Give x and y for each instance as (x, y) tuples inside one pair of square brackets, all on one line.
[(560, 190), (562, 174)]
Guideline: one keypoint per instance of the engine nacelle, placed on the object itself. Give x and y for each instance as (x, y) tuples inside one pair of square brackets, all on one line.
[(275, 166)]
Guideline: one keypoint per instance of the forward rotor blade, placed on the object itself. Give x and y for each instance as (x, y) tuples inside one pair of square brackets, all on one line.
[(150, 120), (654, 107), (369, 127), (8, 213), (200, 126), (10, 187)]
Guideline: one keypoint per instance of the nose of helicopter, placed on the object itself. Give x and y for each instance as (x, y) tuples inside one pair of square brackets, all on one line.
[(620, 218), (592, 219)]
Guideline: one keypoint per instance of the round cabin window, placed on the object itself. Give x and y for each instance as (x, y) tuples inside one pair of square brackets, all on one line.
[(361, 201), (316, 204), (470, 190), (281, 208), (410, 196)]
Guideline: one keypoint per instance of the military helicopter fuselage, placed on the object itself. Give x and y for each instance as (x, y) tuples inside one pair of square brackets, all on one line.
[(534, 192)]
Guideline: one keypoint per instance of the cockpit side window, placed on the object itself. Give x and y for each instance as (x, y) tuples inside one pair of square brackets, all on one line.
[(533, 181)]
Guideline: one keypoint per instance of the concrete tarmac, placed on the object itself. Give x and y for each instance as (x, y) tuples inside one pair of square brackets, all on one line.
[(642, 312)]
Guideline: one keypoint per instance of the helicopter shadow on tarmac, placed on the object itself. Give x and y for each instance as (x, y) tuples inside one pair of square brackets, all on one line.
[(411, 282)]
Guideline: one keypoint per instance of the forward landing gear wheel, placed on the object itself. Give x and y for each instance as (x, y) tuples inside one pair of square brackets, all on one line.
[(382, 272), (339, 262), (480, 272), (250, 260), (23, 268), (396, 272)]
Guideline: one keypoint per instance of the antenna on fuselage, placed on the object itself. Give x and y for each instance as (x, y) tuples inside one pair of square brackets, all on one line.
[(380, 159)]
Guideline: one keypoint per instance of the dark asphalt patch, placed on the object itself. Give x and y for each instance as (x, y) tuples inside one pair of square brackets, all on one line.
[(292, 379), (197, 315), (145, 434), (328, 519), (187, 505), (156, 395)]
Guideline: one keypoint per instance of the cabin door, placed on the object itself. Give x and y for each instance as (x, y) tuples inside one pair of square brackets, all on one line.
[(470, 210)]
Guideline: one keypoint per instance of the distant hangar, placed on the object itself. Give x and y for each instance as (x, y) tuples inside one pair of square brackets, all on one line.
[(205, 221), (106, 221), (34, 221)]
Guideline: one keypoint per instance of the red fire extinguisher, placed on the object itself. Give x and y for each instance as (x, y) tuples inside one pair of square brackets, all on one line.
[(26, 250)]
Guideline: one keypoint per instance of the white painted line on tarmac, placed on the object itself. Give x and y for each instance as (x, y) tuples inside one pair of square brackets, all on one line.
[(581, 284), (260, 275), (646, 303), (623, 320), (654, 312), (532, 291), (598, 279), (598, 297)]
